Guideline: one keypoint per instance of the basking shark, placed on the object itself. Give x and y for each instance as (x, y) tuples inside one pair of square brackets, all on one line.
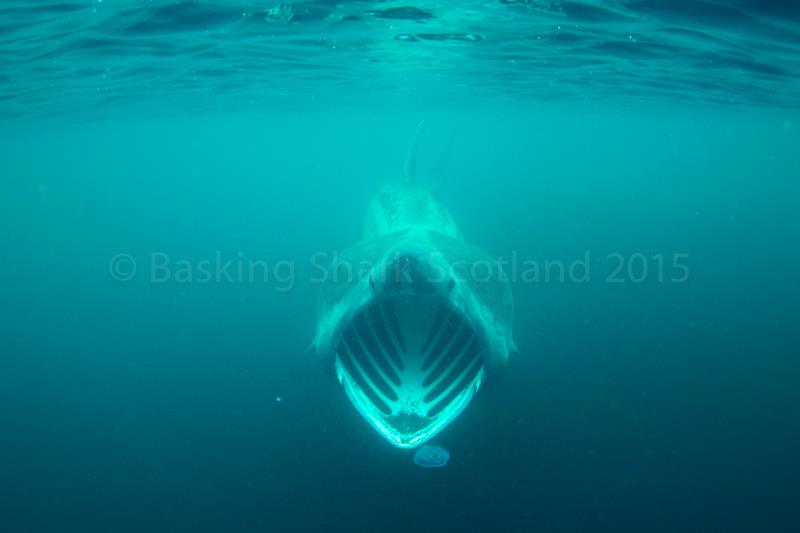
[(413, 318)]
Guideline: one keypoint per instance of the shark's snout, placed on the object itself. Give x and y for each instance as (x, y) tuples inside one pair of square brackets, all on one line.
[(411, 271)]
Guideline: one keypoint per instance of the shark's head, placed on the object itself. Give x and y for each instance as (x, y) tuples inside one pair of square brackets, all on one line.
[(409, 355)]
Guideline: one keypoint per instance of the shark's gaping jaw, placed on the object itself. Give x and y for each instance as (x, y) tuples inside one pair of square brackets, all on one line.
[(409, 359), (409, 364)]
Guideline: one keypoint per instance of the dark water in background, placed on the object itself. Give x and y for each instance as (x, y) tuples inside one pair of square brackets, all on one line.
[(251, 131)]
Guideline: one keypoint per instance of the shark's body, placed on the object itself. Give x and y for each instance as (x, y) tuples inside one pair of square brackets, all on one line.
[(413, 318)]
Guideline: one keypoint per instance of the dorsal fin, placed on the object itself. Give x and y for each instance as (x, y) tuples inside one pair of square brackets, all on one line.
[(410, 170)]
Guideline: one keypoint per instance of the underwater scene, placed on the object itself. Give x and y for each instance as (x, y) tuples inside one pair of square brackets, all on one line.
[(386, 265)]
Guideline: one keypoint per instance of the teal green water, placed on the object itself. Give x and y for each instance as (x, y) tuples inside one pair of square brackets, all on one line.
[(177, 174)]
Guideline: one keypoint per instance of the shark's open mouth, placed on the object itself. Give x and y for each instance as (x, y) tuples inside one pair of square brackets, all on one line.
[(410, 363)]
